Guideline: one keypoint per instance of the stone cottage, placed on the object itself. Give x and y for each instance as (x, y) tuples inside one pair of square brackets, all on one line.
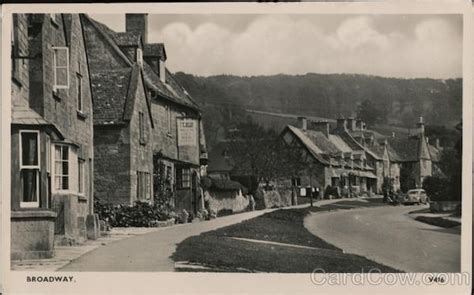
[(417, 157), (174, 127), (123, 123), (331, 161), (51, 136)]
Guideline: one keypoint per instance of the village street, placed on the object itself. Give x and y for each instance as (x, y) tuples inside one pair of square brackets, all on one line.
[(150, 252), (383, 234), (389, 236)]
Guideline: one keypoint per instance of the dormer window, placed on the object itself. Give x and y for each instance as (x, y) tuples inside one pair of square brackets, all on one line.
[(140, 57), (162, 71)]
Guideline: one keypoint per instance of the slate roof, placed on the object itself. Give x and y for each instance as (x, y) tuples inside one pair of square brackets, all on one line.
[(109, 89), (154, 49), (407, 148), (127, 38), (24, 115), (170, 90)]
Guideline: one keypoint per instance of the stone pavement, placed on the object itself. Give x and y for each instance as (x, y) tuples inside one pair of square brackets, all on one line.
[(66, 254)]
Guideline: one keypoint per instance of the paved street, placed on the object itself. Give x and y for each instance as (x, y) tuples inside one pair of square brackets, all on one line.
[(149, 252), (388, 236)]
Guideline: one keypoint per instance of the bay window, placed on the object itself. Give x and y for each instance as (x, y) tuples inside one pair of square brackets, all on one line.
[(30, 168)]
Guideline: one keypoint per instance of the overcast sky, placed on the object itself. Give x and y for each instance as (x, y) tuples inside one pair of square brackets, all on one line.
[(404, 46)]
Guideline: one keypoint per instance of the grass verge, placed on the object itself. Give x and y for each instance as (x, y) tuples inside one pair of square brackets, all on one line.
[(219, 250), (438, 221)]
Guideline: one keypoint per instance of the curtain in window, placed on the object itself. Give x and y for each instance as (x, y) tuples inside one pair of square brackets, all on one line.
[(30, 185)]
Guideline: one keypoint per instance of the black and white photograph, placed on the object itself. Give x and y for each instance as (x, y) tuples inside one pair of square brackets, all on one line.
[(236, 143)]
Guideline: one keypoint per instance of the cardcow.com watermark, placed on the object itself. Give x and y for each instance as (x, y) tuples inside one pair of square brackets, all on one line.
[(375, 277)]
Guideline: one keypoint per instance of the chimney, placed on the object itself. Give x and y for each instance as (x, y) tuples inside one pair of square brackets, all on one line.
[(351, 124), (303, 122), (393, 134), (137, 22), (359, 124), (421, 126), (437, 145), (322, 126), (342, 124)]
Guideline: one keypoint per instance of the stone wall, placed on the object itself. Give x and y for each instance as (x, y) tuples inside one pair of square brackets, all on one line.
[(227, 200), (141, 152), (112, 164)]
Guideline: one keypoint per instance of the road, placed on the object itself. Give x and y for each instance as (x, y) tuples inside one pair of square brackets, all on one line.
[(389, 236), (152, 251)]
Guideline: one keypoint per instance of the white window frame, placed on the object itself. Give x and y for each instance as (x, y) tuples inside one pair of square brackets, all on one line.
[(139, 56), (80, 176), (54, 174), (36, 203), (55, 67)]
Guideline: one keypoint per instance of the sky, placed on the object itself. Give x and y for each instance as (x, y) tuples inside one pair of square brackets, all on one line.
[(403, 46)]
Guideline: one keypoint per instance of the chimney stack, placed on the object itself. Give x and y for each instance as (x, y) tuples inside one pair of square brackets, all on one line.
[(351, 124), (322, 126), (341, 124), (421, 126), (437, 145), (303, 122), (137, 22)]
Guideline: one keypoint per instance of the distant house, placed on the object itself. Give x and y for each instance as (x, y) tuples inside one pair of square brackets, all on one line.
[(51, 132), (417, 157), (171, 120), (332, 162)]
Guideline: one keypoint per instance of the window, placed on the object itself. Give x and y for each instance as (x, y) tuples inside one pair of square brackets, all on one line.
[(139, 57), (183, 178), (80, 176), (296, 181), (61, 67), (168, 114), (61, 167), (162, 71), (143, 185), (29, 168), (15, 50), (141, 123), (79, 92)]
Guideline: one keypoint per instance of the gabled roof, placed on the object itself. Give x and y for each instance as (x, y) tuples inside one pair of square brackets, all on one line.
[(154, 49), (407, 148), (109, 89), (170, 90), (307, 143)]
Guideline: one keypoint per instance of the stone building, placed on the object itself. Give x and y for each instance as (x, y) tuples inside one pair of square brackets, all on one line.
[(176, 142), (417, 157), (51, 136), (331, 161), (123, 123)]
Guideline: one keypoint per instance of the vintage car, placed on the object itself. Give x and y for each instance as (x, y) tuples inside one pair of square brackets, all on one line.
[(414, 196)]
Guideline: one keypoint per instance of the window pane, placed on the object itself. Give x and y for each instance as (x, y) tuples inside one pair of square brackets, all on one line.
[(61, 77), (29, 146), (65, 151), (29, 178), (61, 57), (65, 184), (65, 170)]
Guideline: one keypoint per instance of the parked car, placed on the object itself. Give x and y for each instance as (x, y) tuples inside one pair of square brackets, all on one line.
[(414, 196)]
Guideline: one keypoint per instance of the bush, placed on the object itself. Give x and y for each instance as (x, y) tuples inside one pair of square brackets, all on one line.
[(142, 214), (224, 212), (437, 188)]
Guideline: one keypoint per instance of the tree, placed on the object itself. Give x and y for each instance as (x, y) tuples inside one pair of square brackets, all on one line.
[(263, 154), (369, 113)]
